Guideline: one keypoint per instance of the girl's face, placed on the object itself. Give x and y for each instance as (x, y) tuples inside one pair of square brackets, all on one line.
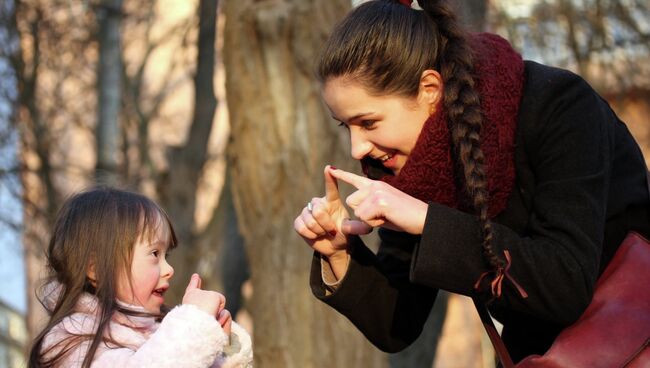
[(150, 272), (385, 128)]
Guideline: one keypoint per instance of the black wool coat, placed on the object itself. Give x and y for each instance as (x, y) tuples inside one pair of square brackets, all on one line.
[(580, 187)]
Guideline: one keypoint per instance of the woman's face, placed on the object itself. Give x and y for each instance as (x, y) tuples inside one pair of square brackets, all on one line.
[(381, 127)]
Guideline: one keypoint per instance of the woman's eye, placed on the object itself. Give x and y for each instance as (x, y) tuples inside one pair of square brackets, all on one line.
[(367, 124)]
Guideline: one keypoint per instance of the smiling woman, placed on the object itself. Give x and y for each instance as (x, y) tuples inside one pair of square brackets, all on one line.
[(489, 176), (377, 122)]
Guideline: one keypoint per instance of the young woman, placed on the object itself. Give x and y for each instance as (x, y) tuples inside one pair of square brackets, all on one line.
[(488, 176), (109, 273)]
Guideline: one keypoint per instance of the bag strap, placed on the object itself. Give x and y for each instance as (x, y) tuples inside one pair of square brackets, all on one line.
[(488, 324), (493, 334)]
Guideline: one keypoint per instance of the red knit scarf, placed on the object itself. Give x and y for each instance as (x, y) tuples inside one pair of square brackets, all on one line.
[(429, 173)]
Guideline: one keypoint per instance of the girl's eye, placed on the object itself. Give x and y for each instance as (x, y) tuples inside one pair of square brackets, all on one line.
[(344, 125), (155, 253)]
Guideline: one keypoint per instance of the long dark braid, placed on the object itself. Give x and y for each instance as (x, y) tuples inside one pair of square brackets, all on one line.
[(462, 105)]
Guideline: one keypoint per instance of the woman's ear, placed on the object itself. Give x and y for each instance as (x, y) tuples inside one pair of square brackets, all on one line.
[(91, 274), (431, 87)]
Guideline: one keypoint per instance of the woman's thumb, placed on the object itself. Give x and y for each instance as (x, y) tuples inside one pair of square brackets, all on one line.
[(355, 227)]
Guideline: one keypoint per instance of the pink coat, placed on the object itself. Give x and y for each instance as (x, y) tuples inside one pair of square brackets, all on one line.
[(186, 338)]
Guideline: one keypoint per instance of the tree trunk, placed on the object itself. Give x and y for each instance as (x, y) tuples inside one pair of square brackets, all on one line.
[(233, 264), (281, 139), (178, 189), (109, 77)]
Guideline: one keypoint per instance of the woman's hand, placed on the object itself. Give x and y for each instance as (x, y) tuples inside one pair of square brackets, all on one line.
[(378, 204), (326, 225), (208, 301)]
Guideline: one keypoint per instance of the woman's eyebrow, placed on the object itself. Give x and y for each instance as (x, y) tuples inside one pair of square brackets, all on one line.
[(357, 116)]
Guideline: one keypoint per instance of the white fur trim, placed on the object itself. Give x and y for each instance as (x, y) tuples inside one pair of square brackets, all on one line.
[(243, 358)]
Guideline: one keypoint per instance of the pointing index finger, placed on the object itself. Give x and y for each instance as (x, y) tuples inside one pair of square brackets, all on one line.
[(355, 180)]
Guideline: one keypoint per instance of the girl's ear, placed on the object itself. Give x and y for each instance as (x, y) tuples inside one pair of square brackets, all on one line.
[(431, 87), (91, 275)]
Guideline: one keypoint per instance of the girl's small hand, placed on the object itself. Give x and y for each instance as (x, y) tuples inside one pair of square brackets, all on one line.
[(326, 225), (208, 301), (379, 204), (225, 320)]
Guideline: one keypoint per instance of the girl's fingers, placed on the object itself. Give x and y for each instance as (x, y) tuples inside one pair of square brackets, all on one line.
[(225, 320), (222, 302), (224, 316)]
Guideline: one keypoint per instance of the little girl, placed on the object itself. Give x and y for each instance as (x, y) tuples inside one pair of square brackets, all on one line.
[(109, 273)]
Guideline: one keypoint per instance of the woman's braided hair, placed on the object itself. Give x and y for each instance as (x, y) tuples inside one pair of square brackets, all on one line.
[(385, 46), (462, 104)]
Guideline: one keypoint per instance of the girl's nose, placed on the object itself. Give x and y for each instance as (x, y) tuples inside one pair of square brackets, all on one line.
[(359, 145), (167, 270)]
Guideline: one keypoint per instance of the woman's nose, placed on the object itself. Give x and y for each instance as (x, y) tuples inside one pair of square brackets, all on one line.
[(359, 145)]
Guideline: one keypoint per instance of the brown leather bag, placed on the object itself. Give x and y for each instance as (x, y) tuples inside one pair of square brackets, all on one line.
[(614, 331)]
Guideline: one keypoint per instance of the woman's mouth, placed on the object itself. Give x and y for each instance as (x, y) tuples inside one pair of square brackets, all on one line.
[(390, 161)]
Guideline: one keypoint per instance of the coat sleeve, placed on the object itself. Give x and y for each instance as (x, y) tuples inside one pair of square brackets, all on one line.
[(570, 150), (240, 352), (186, 338), (376, 295)]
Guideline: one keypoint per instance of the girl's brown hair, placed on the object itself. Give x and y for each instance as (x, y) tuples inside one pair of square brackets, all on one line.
[(386, 46), (97, 227)]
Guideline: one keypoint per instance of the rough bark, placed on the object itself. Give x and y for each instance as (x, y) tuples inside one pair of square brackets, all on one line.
[(281, 138)]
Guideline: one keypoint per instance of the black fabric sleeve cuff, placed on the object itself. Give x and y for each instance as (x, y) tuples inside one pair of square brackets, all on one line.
[(449, 254)]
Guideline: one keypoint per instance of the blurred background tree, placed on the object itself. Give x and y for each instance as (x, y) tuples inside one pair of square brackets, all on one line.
[(131, 92), (281, 139)]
